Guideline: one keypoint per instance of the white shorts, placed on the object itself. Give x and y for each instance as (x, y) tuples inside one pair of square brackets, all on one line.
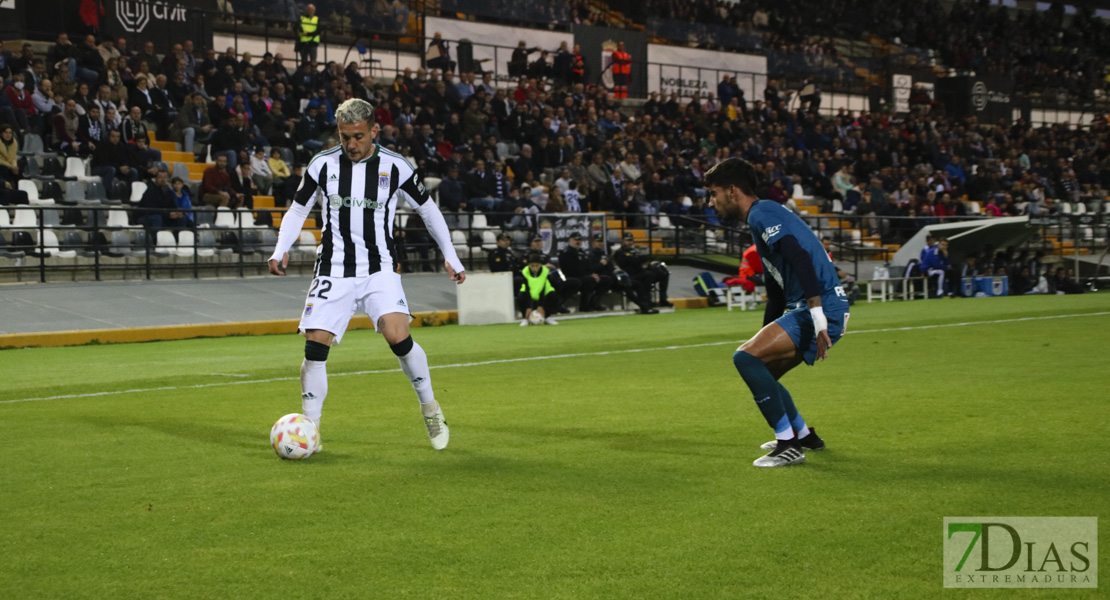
[(332, 301)]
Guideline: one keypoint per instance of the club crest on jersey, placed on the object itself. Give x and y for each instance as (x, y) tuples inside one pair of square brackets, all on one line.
[(308, 309), (383, 180)]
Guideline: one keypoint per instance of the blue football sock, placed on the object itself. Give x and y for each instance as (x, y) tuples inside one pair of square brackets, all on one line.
[(796, 420), (765, 391)]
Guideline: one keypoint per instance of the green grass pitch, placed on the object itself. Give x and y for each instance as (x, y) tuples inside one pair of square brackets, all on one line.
[(617, 464)]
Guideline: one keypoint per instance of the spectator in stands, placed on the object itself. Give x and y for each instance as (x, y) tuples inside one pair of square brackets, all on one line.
[(215, 185), (229, 140), (438, 56), (242, 188), (45, 104), (261, 174), (452, 197), (183, 201), (9, 154), (154, 66), (158, 207), (194, 123), (71, 133), (112, 159), (23, 107)]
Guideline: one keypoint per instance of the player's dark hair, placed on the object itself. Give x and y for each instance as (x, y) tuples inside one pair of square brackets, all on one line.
[(535, 257), (734, 171)]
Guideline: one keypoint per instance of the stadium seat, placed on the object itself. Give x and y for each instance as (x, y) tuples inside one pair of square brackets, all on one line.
[(186, 239), (206, 218), (33, 170), (53, 168), (25, 219), (837, 206), (489, 240), (33, 146), (269, 240), (7, 251), (1080, 208), (1065, 208), (478, 221), (458, 240), (432, 183), (50, 218), (53, 191), (5, 219), (137, 190), (76, 241), (94, 190), (78, 169), (120, 191), (140, 248), (119, 244), (51, 247), (165, 242), (206, 240), (225, 218), (75, 192), (665, 222), (246, 218), (117, 219), (249, 242), (32, 190)]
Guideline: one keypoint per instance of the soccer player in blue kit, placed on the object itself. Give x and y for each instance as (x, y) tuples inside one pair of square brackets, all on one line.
[(801, 278)]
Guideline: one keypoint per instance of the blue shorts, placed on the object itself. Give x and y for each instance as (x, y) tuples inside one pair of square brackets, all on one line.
[(798, 324)]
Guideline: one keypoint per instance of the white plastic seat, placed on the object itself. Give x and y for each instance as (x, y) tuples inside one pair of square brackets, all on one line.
[(225, 218), (489, 240), (307, 240), (165, 242), (50, 244), (478, 221), (117, 219), (32, 190), (1080, 208), (798, 191), (458, 238), (137, 190), (25, 219), (665, 222), (246, 218), (5, 220), (79, 169)]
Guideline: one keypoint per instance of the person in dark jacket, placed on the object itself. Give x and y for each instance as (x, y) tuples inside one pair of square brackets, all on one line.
[(159, 209), (640, 268), (575, 264)]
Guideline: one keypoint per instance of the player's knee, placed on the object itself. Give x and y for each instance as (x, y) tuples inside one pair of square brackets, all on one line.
[(316, 351), (745, 362), (402, 347)]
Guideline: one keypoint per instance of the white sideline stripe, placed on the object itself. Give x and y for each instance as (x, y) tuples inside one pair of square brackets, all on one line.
[(531, 358)]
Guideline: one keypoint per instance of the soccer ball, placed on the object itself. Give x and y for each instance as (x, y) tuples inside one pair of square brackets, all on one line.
[(294, 437), (535, 318)]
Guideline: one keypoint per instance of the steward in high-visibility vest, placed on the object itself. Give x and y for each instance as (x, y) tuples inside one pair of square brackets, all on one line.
[(309, 37), (537, 294), (622, 71)]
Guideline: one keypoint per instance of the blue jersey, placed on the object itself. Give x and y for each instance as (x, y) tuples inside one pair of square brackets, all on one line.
[(771, 222), (933, 259)]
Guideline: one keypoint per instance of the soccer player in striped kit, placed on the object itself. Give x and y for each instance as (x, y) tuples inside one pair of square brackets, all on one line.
[(359, 184)]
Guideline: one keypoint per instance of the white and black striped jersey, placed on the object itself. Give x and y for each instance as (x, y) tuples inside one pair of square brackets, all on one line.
[(358, 204)]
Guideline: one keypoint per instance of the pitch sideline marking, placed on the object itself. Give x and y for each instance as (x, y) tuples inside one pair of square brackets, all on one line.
[(532, 358)]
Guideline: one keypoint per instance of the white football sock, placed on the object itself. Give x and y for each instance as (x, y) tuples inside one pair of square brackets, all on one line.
[(314, 388), (415, 366)]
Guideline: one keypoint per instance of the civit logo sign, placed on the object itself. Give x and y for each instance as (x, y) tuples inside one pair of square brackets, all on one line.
[(135, 15), (1013, 552)]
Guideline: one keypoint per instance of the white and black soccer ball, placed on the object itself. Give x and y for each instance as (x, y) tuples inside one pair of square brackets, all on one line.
[(294, 437), (535, 318)]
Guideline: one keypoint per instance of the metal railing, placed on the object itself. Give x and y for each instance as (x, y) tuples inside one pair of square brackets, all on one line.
[(91, 252)]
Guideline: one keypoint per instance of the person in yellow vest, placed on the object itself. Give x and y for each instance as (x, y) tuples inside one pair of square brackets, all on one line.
[(536, 295), (309, 36), (622, 71)]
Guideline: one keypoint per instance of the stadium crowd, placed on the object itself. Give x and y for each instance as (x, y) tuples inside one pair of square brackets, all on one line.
[(546, 144)]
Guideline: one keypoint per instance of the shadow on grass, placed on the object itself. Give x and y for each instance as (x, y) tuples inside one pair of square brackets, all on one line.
[(630, 441), (253, 440)]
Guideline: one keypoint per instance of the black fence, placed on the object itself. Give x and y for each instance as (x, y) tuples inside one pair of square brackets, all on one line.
[(36, 246)]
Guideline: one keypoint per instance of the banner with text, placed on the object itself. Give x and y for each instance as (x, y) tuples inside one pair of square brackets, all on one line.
[(493, 44), (555, 229), (694, 72), (164, 22)]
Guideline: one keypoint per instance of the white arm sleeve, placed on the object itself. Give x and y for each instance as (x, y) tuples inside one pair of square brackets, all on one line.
[(291, 225), (437, 227)]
